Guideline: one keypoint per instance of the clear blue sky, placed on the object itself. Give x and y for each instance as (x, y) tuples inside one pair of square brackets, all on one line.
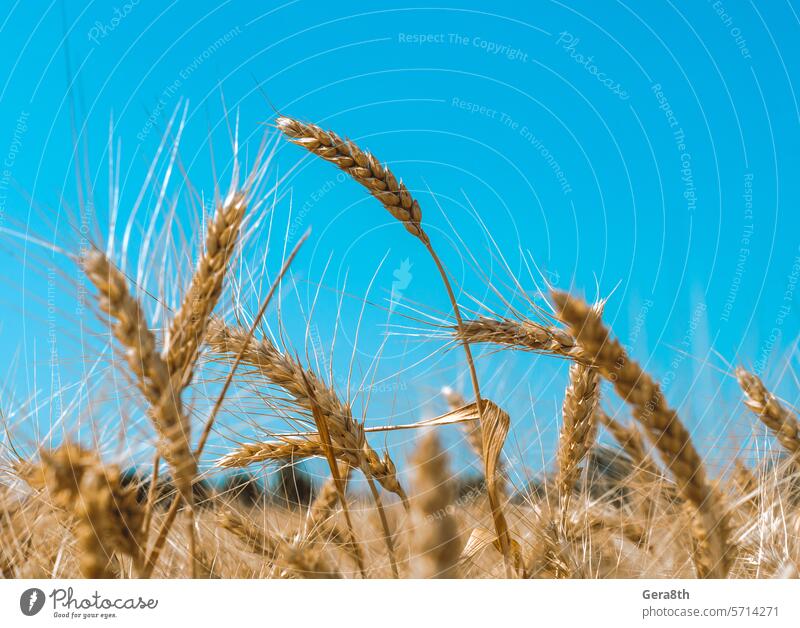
[(646, 148)]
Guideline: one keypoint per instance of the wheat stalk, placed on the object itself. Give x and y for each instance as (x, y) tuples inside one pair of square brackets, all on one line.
[(395, 197), (321, 421), (662, 425)]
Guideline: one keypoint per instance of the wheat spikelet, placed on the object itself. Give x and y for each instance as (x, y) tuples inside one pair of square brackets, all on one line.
[(108, 517), (152, 375), (188, 326), (663, 426), (437, 543), (347, 435), (362, 166), (780, 421)]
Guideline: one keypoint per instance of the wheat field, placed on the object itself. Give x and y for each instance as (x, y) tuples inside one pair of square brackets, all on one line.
[(647, 507)]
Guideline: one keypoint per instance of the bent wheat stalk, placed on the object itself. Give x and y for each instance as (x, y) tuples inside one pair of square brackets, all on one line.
[(662, 425), (365, 169), (325, 438)]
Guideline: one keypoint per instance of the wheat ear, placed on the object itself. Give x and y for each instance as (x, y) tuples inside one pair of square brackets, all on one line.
[(108, 516), (395, 197), (437, 543), (662, 424), (188, 327), (579, 428), (522, 335), (347, 435), (150, 370), (780, 421), (254, 539), (362, 166)]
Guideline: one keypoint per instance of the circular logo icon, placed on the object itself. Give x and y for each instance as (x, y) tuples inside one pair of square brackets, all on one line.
[(31, 601)]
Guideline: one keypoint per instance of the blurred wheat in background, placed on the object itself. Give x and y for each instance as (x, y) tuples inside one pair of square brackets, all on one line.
[(648, 507)]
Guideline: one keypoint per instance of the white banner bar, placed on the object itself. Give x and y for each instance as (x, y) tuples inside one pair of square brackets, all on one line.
[(353, 603)]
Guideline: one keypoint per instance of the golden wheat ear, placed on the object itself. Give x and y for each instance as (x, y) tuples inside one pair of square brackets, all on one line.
[(662, 425), (780, 421), (362, 166), (579, 425), (129, 327), (522, 335), (188, 327), (107, 514), (283, 370)]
